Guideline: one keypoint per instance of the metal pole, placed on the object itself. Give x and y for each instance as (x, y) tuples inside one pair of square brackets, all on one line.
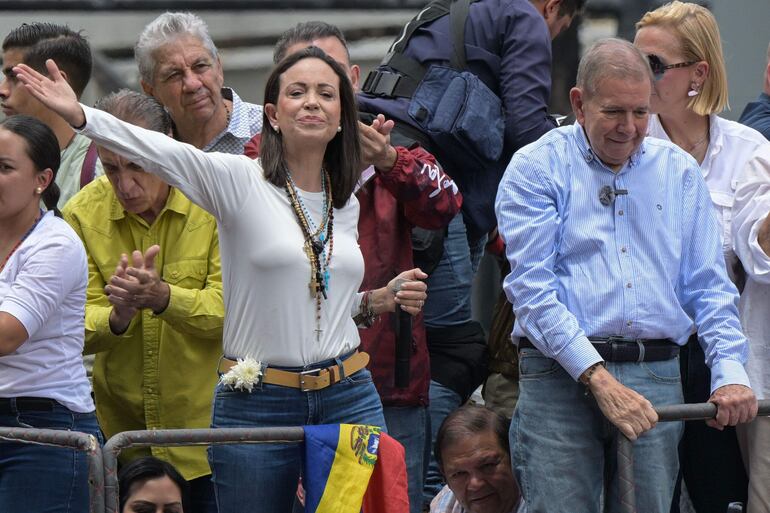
[(68, 440), (170, 437), (671, 413), (626, 491)]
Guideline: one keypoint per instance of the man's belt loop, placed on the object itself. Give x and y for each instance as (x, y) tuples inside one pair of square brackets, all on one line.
[(641, 351)]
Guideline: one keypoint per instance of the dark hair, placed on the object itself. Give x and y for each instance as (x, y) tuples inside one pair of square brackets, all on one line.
[(342, 159), (470, 419), (145, 469), (42, 41), (571, 7), (42, 147), (306, 32), (136, 108)]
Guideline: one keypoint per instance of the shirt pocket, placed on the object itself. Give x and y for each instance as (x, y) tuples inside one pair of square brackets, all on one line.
[(723, 202), (189, 274)]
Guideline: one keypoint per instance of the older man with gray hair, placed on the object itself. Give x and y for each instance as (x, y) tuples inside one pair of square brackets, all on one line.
[(616, 259), (179, 65)]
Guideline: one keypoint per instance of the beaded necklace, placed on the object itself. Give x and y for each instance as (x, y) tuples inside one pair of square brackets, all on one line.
[(23, 238), (316, 240)]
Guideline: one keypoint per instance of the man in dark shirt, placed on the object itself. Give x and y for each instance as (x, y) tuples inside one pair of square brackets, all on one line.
[(757, 114), (508, 47)]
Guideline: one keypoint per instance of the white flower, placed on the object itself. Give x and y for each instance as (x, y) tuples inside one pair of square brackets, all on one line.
[(243, 375)]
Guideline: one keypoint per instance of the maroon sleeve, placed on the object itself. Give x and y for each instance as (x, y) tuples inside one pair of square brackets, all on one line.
[(251, 148), (429, 197)]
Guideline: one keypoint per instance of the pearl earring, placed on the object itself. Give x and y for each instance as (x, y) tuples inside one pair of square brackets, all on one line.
[(39, 190), (693, 90), (277, 129), (339, 129)]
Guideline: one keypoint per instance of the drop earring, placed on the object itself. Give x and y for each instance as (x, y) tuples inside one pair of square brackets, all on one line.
[(277, 129), (693, 90)]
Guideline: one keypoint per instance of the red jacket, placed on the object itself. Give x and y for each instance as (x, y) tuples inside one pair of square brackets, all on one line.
[(416, 192)]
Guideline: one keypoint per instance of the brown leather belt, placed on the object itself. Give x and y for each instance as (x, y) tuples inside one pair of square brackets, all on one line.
[(309, 380)]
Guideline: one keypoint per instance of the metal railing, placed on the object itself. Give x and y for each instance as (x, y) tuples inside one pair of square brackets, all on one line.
[(175, 437), (673, 413), (68, 440), (103, 462)]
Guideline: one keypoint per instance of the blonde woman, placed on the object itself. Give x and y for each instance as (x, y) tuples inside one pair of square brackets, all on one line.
[(682, 42)]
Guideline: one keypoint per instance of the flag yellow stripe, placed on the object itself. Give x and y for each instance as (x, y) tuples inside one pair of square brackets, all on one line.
[(348, 479)]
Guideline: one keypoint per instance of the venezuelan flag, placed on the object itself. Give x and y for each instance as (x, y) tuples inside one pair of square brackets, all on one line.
[(339, 460)]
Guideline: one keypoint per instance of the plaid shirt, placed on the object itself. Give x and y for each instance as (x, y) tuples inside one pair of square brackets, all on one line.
[(245, 122)]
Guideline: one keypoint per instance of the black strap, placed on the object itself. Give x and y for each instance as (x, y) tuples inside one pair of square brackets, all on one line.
[(407, 73), (458, 15)]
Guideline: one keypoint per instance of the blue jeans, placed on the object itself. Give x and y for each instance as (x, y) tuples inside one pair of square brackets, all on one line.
[(409, 425), (44, 479), (201, 493), (562, 445), (449, 285), (443, 401), (265, 476)]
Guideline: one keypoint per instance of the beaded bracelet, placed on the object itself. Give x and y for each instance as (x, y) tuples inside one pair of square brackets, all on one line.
[(366, 316)]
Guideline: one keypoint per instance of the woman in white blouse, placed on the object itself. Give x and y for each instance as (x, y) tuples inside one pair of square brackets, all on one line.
[(290, 262), (683, 45), (43, 278)]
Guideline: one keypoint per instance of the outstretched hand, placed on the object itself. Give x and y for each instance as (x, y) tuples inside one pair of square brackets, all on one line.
[(52, 91)]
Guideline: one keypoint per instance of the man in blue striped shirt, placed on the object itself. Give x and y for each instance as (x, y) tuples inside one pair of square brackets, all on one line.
[(616, 259)]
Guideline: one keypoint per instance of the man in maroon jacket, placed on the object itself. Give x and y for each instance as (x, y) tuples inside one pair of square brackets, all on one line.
[(401, 188)]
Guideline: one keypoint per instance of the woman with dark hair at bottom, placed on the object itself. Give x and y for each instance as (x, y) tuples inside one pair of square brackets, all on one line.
[(150, 485), (291, 265), (43, 278)]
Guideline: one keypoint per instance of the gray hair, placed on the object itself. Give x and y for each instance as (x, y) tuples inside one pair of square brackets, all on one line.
[(164, 29), (136, 108), (611, 58)]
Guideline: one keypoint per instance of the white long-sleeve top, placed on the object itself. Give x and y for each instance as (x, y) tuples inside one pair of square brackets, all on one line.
[(269, 312), (751, 207)]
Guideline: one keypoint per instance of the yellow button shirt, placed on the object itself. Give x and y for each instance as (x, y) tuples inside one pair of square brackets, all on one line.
[(161, 373)]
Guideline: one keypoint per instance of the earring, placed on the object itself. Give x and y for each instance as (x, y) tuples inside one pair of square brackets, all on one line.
[(693, 90), (339, 129), (277, 129), (39, 190)]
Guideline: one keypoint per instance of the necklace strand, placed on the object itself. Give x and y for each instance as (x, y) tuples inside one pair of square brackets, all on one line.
[(315, 243)]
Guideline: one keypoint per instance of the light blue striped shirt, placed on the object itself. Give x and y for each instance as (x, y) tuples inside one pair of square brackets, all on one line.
[(648, 266)]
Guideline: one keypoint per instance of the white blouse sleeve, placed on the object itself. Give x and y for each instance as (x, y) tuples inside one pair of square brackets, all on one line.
[(751, 207), (217, 182), (45, 278)]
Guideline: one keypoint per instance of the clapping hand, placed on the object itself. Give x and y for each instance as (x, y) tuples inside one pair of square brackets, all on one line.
[(138, 286)]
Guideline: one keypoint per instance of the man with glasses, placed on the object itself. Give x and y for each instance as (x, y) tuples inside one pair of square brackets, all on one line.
[(615, 260)]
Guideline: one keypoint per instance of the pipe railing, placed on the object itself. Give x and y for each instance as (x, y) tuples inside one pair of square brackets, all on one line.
[(672, 413), (176, 437), (68, 440)]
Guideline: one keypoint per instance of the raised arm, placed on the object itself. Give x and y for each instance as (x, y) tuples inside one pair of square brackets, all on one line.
[(218, 183)]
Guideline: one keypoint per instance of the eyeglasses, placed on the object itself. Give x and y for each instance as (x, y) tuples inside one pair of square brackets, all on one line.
[(658, 68)]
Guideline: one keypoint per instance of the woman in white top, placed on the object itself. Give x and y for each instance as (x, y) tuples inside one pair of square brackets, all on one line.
[(290, 262), (43, 278), (683, 45)]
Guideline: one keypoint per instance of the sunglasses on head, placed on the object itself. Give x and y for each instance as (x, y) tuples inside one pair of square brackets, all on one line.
[(658, 68)]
